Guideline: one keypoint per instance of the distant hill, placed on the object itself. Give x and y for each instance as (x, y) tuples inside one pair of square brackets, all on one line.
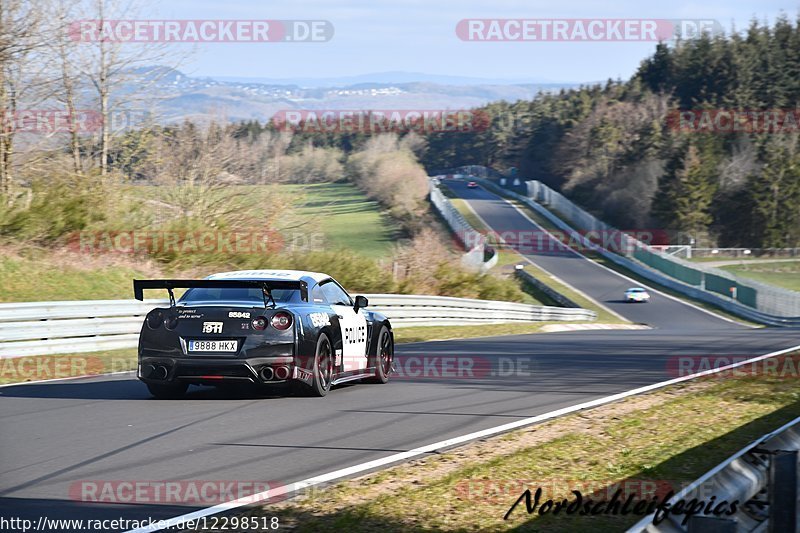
[(182, 96)]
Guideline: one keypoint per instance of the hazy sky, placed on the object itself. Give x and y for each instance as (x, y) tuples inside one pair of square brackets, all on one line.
[(419, 36)]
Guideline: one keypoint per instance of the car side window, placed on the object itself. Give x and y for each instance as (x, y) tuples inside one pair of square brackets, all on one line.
[(334, 293), (317, 295)]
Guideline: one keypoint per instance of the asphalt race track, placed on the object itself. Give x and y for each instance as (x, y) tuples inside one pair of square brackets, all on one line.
[(59, 434), (604, 286)]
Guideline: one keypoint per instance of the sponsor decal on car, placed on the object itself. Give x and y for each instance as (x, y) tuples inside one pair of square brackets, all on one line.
[(212, 327), (303, 375)]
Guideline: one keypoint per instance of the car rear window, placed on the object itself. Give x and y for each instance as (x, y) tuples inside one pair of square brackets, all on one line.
[(238, 295)]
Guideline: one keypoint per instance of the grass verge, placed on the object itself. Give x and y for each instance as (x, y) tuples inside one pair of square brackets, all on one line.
[(603, 314), (783, 274), (665, 438), (349, 218), (42, 367), (41, 275)]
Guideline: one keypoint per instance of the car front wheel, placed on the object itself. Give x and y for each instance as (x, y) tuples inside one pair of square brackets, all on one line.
[(383, 358)]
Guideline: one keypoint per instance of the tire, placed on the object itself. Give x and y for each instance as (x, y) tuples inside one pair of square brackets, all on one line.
[(383, 358), (167, 392), (323, 368)]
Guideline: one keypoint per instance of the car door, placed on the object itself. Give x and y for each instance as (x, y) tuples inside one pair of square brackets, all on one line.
[(353, 324)]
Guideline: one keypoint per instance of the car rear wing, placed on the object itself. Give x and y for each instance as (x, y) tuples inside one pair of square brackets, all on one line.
[(139, 286)]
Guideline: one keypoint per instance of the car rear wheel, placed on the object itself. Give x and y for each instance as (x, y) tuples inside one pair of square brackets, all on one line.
[(171, 391), (383, 358), (323, 368)]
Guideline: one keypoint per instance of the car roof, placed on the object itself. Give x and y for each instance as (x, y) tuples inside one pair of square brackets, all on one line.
[(291, 275), (636, 289)]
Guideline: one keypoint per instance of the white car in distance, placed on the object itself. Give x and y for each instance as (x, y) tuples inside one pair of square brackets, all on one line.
[(637, 294)]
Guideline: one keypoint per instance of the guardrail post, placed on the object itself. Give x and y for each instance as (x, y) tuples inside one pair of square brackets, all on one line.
[(711, 524), (783, 491)]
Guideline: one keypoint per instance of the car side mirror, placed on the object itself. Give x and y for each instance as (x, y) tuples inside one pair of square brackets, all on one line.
[(361, 301)]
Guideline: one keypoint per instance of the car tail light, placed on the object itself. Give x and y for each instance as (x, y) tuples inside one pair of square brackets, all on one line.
[(154, 319), (259, 323), (281, 320), (171, 322)]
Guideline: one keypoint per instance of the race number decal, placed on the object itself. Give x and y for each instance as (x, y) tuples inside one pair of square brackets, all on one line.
[(212, 327), (319, 319)]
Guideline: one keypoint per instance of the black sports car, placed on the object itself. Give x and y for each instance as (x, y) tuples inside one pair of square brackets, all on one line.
[(261, 327)]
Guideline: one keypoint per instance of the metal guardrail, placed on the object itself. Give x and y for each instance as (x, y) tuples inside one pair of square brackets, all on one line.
[(696, 293), (554, 295), (47, 328), (646, 272), (474, 242), (762, 477)]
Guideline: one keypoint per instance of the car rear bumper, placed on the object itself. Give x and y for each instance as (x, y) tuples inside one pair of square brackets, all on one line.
[(216, 370)]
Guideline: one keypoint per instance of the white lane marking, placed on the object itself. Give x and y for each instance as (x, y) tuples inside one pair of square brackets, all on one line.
[(635, 282), (66, 378), (291, 488)]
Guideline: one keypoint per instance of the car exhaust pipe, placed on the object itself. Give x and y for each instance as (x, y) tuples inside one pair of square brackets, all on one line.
[(159, 372), (266, 373), (282, 372)]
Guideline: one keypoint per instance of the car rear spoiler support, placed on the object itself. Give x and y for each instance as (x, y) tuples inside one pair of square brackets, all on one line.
[(139, 286)]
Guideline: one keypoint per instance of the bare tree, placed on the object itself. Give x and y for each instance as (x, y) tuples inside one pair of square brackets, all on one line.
[(19, 36), (67, 82), (122, 74)]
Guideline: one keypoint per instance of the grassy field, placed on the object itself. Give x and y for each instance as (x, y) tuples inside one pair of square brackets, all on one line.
[(783, 274), (645, 445), (342, 213), (40, 276), (347, 217)]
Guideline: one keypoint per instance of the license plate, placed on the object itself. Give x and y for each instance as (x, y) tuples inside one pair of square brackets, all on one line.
[(213, 346)]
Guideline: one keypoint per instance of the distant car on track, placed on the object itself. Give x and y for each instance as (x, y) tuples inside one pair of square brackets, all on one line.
[(472, 185), (637, 294), (261, 327)]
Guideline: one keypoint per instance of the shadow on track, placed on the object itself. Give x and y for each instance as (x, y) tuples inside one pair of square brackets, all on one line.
[(131, 389)]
